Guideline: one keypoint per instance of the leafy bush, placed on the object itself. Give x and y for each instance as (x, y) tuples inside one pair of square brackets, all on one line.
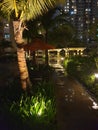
[(83, 68), (45, 88), (36, 111), (37, 108)]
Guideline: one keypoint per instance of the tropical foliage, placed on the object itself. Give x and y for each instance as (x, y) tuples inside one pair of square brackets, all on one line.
[(21, 11), (93, 31), (34, 111), (77, 66)]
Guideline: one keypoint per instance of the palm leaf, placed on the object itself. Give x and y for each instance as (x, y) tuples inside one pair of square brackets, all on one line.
[(34, 8), (9, 6), (26, 9)]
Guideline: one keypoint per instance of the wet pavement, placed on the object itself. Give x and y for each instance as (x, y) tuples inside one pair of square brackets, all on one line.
[(76, 109)]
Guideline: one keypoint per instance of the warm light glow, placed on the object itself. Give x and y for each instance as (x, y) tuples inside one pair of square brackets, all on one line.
[(95, 106), (96, 75), (39, 113), (62, 58)]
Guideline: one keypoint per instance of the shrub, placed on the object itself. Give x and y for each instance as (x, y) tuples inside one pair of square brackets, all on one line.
[(37, 110), (83, 69)]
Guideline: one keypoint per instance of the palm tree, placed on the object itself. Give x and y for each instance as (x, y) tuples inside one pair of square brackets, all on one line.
[(61, 31), (46, 20), (93, 31), (21, 11)]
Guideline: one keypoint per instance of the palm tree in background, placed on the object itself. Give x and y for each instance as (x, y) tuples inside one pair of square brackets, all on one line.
[(21, 11), (62, 32)]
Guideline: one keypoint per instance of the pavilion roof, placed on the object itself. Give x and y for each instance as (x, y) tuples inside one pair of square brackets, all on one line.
[(38, 44)]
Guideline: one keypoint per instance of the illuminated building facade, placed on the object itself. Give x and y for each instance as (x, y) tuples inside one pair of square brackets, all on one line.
[(4, 30), (6, 33), (82, 14)]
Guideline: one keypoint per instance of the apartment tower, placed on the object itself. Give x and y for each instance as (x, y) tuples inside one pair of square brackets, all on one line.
[(82, 14)]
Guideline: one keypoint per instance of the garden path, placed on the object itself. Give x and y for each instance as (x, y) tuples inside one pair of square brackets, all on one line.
[(76, 109)]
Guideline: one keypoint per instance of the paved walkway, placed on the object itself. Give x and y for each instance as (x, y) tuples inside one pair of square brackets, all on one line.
[(76, 109)]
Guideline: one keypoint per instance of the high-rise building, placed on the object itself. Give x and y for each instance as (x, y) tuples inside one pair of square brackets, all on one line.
[(82, 14), (4, 30), (7, 33)]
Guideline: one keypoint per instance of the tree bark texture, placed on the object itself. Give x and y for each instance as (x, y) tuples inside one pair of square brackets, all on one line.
[(24, 75)]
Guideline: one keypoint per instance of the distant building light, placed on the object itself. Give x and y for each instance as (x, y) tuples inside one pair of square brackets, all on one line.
[(87, 39), (72, 12), (75, 10), (82, 25), (93, 21), (67, 3), (88, 9), (7, 25), (93, 18), (7, 36), (96, 75), (81, 37)]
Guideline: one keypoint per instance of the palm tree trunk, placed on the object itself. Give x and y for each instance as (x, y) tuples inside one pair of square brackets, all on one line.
[(24, 76)]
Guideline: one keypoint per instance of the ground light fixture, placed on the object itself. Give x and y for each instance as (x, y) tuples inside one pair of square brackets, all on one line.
[(62, 58), (96, 75)]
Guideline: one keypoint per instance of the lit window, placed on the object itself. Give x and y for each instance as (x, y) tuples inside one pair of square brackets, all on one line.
[(87, 22), (67, 7), (73, 1), (72, 12), (81, 37), (75, 10), (94, 21), (6, 36), (67, 3), (88, 9), (93, 18), (7, 25), (79, 18)]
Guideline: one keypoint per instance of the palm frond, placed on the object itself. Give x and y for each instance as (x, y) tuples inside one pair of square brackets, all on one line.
[(33, 8), (27, 9), (15, 6), (8, 7)]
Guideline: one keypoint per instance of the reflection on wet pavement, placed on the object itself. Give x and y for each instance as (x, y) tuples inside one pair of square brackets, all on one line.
[(77, 109)]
